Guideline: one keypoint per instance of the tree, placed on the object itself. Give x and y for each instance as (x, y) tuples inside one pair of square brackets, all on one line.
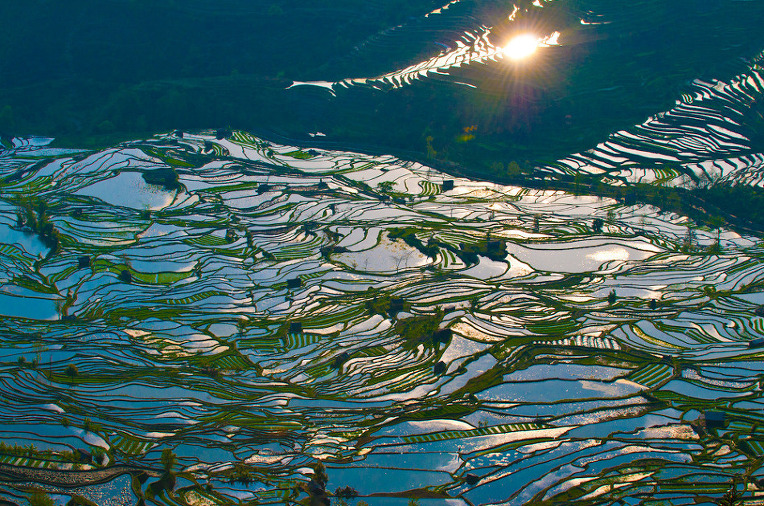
[(319, 475), (385, 187), (347, 492), (611, 297), (71, 371), (168, 460), (167, 480), (689, 239), (731, 497), (716, 222), (513, 170), (78, 500), (431, 153), (40, 498), (316, 487)]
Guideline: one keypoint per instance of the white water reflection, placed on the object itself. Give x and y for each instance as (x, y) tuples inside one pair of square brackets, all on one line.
[(524, 45), (16, 302), (608, 254), (27, 241), (580, 256), (521, 47), (129, 189), (474, 47)]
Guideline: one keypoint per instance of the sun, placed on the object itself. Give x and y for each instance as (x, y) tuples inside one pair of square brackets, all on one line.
[(522, 46)]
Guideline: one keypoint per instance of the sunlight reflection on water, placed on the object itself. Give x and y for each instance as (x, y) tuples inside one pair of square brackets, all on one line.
[(609, 254)]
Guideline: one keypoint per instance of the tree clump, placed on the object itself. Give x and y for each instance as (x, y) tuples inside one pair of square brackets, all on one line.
[(422, 330), (347, 492), (78, 500), (71, 371), (384, 304), (167, 480), (328, 251), (165, 177), (340, 359), (125, 276), (316, 488), (468, 253), (35, 217), (40, 498), (408, 235), (241, 474), (494, 249)]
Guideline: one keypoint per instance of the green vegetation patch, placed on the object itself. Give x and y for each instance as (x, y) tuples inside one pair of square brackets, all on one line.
[(419, 329), (299, 154), (165, 177)]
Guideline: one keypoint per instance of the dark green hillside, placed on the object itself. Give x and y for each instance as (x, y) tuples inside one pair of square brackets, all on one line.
[(91, 72)]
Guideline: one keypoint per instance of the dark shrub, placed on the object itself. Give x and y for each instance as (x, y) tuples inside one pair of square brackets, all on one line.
[(165, 177), (340, 359), (346, 493), (442, 336)]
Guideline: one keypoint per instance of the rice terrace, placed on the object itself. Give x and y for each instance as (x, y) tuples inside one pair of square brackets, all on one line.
[(518, 310), (423, 336)]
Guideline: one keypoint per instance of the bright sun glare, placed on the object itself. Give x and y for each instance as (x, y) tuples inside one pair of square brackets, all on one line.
[(521, 46)]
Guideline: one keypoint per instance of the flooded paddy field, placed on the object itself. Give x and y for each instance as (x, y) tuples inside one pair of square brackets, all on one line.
[(256, 308)]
